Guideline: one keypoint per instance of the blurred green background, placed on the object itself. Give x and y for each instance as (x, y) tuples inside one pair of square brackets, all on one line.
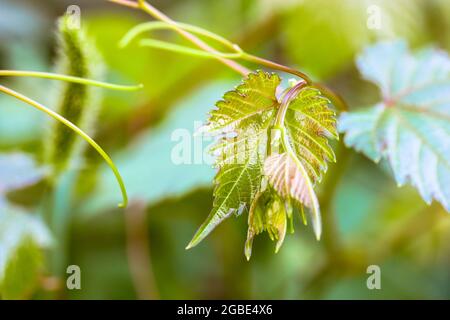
[(140, 254)]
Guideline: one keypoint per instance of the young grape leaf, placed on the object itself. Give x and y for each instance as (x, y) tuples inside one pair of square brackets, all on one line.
[(267, 213), (309, 122), (247, 113), (247, 155), (290, 179), (239, 107), (410, 127)]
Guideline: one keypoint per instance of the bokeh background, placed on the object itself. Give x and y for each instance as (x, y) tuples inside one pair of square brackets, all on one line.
[(140, 253)]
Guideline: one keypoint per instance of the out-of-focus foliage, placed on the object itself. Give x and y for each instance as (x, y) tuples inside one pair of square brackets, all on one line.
[(133, 64), (17, 171), (411, 126), (147, 164), (22, 236), (367, 219), (347, 26)]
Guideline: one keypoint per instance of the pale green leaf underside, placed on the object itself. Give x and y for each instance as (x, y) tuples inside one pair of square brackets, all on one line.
[(411, 126)]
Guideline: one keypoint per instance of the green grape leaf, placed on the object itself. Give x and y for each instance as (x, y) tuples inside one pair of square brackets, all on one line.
[(252, 175), (309, 121), (236, 185), (246, 113), (240, 106), (22, 238), (410, 127)]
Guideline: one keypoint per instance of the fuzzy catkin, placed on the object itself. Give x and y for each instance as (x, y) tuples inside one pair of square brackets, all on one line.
[(77, 56)]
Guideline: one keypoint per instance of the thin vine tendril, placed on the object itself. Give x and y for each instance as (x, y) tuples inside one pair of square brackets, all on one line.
[(78, 131), (54, 76), (164, 45), (160, 25)]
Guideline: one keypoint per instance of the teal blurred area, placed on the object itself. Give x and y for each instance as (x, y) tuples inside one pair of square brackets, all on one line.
[(140, 253)]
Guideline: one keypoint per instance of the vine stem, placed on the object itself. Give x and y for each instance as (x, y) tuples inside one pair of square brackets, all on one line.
[(185, 31), (281, 113), (78, 131), (276, 66), (126, 3), (335, 98), (148, 8), (160, 25), (54, 76)]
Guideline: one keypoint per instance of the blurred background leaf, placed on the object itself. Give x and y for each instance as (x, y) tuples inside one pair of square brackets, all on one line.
[(323, 36), (22, 237)]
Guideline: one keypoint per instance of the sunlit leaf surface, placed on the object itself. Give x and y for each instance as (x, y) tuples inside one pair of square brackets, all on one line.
[(244, 120)]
